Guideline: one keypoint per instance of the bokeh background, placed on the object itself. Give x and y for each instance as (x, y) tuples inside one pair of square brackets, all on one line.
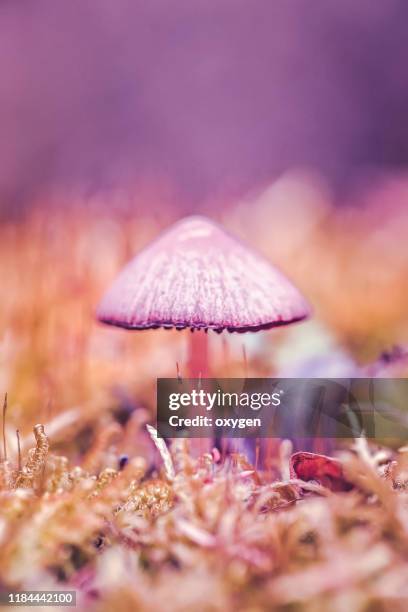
[(286, 122), (206, 99)]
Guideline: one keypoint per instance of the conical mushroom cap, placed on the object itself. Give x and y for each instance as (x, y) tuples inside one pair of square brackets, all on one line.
[(196, 275)]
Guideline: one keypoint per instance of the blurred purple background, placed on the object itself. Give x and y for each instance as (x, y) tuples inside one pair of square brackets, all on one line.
[(211, 98)]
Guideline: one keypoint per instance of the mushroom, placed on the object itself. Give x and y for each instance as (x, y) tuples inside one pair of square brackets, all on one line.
[(196, 275)]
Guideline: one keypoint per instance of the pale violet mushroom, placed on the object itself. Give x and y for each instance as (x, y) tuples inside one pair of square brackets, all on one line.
[(196, 275)]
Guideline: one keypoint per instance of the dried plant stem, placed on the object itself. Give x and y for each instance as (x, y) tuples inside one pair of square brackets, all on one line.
[(35, 465), (18, 449), (245, 359), (164, 452), (179, 378)]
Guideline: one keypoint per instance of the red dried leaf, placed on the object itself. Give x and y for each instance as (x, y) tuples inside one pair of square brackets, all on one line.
[(325, 470)]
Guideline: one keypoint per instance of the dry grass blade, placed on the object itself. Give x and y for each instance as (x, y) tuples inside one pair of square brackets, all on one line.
[(18, 450), (164, 452), (196, 534)]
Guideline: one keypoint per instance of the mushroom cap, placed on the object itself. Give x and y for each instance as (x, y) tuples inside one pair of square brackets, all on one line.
[(196, 275)]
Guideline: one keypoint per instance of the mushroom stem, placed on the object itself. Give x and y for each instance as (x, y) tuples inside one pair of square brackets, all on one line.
[(198, 365)]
